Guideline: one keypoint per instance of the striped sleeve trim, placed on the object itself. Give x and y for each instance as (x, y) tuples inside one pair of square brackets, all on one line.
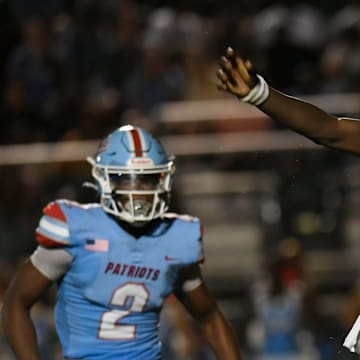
[(54, 210), (52, 232)]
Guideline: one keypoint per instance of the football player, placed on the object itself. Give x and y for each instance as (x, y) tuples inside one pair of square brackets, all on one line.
[(115, 262), (238, 77)]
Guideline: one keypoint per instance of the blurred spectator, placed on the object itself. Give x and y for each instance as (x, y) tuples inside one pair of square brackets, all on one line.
[(35, 8), (82, 43), (278, 329), (341, 57), (199, 71), (21, 124), (37, 81), (291, 35), (121, 42), (156, 80), (9, 33)]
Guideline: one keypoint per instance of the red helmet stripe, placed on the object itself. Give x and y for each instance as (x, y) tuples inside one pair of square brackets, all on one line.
[(137, 142)]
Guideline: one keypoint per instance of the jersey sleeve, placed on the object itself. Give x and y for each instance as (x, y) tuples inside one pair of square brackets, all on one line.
[(195, 241), (189, 240), (53, 229)]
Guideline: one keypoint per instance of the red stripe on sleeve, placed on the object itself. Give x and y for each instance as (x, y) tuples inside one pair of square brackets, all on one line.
[(137, 142), (54, 210), (47, 242)]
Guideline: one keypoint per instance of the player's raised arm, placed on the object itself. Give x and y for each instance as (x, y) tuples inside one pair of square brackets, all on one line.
[(26, 288), (238, 77), (202, 306)]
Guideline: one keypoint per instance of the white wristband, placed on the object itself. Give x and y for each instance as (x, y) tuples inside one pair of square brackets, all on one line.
[(191, 284), (258, 94)]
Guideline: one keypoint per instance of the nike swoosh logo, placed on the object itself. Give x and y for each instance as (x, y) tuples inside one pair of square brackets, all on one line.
[(169, 258)]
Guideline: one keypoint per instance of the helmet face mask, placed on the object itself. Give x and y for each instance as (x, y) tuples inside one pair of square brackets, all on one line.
[(134, 175)]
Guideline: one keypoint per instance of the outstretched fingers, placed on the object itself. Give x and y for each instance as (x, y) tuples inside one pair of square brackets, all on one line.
[(222, 80), (235, 75), (226, 75)]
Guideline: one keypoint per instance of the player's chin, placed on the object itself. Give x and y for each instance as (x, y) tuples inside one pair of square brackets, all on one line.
[(139, 224)]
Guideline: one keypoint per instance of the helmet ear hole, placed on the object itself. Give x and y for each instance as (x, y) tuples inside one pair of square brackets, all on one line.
[(90, 185), (165, 197), (100, 173)]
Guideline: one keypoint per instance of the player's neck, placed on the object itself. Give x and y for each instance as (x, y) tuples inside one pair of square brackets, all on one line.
[(137, 231)]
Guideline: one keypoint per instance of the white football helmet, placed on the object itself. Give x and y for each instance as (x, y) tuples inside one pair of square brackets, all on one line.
[(134, 175)]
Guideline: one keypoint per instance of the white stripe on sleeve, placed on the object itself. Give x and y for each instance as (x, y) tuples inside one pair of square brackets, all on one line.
[(56, 227)]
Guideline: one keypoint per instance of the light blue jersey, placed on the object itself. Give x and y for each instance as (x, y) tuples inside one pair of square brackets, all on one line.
[(280, 317), (109, 300)]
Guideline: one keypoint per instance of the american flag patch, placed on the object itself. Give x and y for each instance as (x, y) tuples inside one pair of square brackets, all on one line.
[(97, 245)]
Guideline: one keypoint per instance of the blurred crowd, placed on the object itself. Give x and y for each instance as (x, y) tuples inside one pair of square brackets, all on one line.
[(76, 69)]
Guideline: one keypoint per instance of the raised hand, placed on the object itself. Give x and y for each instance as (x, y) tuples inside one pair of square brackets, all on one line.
[(238, 77), (235, 75)]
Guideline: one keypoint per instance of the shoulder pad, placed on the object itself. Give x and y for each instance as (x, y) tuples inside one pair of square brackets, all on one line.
[(184, 217)]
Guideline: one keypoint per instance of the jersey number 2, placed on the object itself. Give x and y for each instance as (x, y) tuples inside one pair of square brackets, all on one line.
[(133, 295)]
